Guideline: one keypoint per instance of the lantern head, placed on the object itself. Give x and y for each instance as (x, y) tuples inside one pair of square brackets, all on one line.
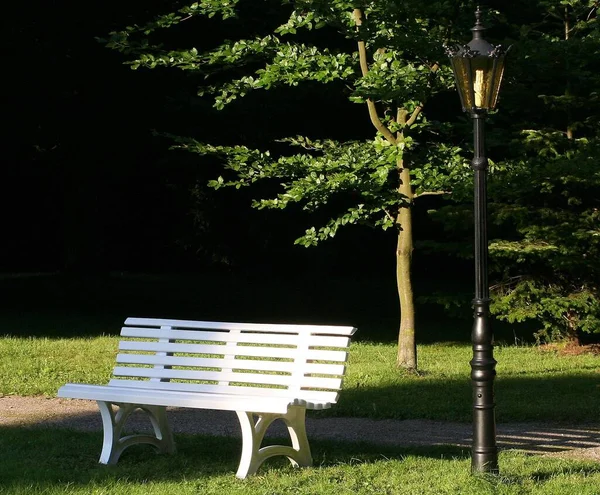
[(478, 68)]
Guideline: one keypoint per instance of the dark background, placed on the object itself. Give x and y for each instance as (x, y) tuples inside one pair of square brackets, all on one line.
[(120, 226)]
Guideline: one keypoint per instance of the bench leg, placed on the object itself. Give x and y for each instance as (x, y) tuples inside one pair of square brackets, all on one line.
[(253, 433), (114, 445)]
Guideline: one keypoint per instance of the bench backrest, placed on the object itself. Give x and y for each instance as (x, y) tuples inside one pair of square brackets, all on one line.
[(297, 361)]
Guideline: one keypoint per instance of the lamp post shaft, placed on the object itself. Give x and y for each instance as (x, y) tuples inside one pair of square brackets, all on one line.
[(483, 365)]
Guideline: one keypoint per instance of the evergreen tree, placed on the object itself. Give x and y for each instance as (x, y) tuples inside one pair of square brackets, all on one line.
[(545, 184)]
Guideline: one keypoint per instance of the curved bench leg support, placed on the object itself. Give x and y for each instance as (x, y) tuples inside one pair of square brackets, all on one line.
[(114, 444), (253, 434), (162, 430)]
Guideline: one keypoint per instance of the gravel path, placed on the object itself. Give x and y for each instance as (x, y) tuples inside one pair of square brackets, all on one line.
[(581, 441)]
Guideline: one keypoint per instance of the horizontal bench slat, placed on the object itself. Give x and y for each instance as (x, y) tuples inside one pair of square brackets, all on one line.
[(201, 375), (238, 364), (260, 327), (265, 379), (315, 399), (226, 336), (272, 352), (174, 398)]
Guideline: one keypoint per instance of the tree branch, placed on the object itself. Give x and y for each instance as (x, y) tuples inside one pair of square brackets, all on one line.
[(431, 193), (389, 215), (419, 108), (508, 283), (364, 68)]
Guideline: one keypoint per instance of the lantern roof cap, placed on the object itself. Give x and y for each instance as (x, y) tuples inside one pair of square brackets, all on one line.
[(477, 47), (478, 44)]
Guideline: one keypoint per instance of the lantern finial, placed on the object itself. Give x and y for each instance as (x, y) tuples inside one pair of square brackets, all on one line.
[(479, 28)]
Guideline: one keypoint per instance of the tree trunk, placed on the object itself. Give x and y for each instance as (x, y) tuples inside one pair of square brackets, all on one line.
[(568, 91), (407, 348)]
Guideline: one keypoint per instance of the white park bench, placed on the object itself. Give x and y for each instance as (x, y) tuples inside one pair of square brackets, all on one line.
[(263, 372)]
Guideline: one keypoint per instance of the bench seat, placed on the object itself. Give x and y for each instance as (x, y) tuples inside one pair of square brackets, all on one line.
[(197, 400), (263, 372)]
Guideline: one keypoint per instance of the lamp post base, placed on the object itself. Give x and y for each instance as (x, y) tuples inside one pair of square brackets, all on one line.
[(484, 462), (483, 371)]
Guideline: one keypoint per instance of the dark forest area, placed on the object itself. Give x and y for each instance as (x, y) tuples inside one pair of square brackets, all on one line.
[(93, 198), (90, 189)]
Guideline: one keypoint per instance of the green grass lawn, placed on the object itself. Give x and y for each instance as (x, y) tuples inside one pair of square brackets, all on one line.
[(53, 462), (532, 385), (56, 337)]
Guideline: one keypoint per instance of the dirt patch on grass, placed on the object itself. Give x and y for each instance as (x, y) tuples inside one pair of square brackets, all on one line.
[(574, 441), (572, 349)]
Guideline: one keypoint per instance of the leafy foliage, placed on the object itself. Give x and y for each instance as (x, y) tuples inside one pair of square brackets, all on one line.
[(405, 44)]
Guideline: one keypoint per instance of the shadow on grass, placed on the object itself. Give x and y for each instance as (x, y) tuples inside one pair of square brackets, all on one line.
[(55, 456), (566, 398)]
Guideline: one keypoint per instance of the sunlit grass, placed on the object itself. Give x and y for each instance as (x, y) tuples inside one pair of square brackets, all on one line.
[(38, 366), (532, 384)]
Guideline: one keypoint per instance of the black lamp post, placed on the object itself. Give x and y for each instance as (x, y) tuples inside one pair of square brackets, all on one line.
[(478, 69)]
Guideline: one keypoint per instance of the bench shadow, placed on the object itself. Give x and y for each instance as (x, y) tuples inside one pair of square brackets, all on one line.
[(43, 459), (43, 456)]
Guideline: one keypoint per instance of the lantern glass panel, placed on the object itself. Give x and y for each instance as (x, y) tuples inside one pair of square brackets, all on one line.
[(462, 72), (498, 73)]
